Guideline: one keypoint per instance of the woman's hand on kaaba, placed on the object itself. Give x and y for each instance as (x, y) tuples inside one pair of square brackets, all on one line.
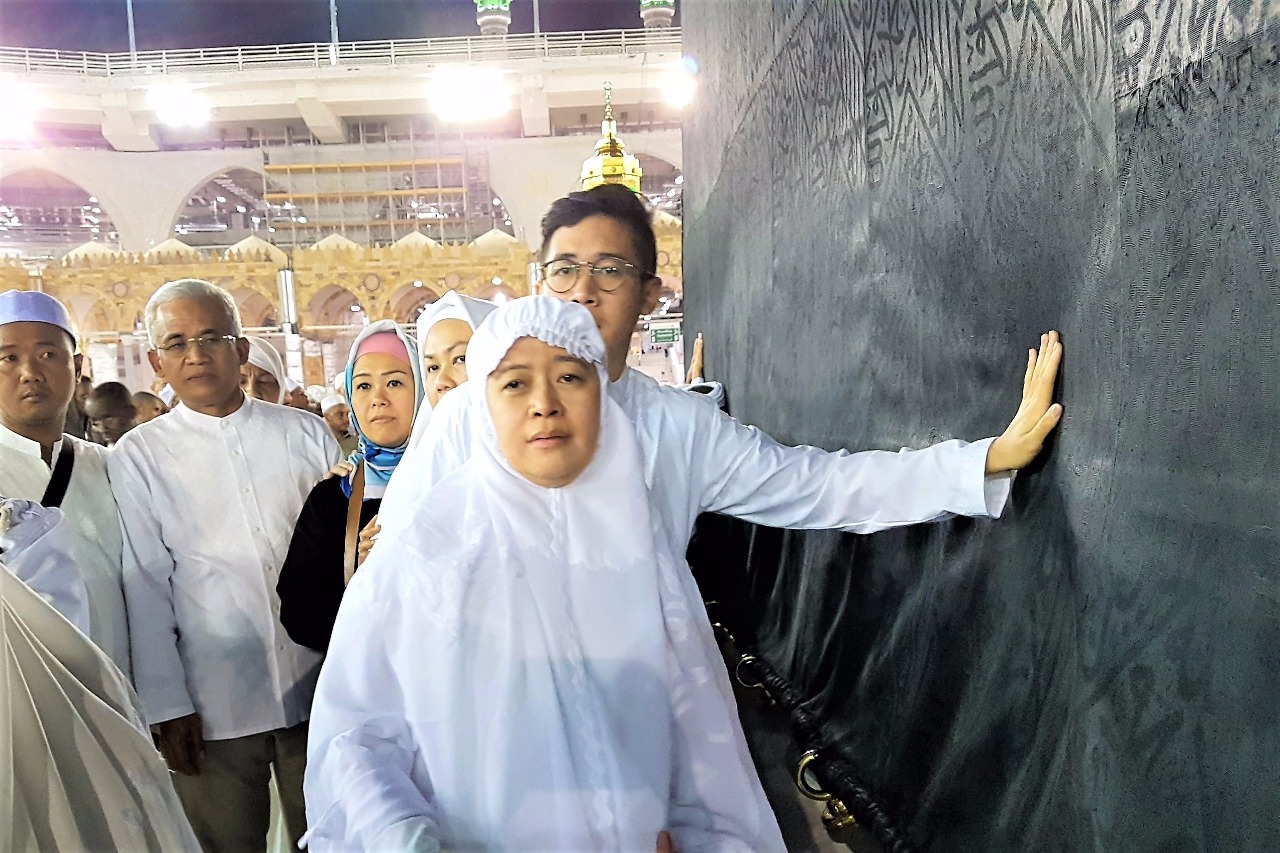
[(1038, 414)]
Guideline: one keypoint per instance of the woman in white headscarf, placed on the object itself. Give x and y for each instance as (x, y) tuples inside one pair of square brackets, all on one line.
[(533, 673), (445, 328), (263, 376)]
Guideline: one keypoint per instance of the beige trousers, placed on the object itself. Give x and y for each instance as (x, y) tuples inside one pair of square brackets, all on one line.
[(229, 803)]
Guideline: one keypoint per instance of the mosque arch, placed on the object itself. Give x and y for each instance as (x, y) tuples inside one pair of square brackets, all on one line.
[(45, 209), (334, 305), (499, 292), (256, 310), (223, 208), (407, 301)]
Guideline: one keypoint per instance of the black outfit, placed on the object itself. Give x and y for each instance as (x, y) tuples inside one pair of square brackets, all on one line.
[(310, 585)]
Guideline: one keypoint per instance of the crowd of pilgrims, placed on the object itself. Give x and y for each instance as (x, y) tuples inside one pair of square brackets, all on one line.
[(452, 613)]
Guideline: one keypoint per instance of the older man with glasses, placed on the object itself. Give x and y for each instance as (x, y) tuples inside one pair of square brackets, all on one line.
[(209, 496)]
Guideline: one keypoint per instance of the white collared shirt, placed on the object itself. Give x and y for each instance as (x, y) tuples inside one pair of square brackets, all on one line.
[(209, 505), (698, 459), (94, 527)]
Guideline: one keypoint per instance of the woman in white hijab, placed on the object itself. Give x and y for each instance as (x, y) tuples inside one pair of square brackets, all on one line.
[(263, 376), (533, 675), (445, 328)]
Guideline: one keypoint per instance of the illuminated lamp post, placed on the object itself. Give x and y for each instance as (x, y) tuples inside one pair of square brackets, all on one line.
[(493, 16), (657, 13)]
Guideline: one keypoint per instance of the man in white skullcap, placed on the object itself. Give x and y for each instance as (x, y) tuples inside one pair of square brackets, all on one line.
[(39, 368), (337, 414)]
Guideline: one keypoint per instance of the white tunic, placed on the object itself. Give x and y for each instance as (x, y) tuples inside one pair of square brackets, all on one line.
[(698, 459), (209, 506), (94, 529)]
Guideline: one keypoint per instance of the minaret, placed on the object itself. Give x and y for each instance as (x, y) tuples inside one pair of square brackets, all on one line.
[(657, 13), (493, 16), (611, 163)]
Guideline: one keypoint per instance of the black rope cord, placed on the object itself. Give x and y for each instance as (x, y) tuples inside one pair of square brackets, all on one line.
[(838, 776)]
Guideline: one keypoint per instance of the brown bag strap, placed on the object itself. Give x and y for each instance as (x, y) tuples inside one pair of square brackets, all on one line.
[(353, 525)]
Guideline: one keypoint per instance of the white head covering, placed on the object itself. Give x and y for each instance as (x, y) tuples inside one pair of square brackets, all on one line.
[(604, 715), (263, 356), (452, 306), (331, 402)]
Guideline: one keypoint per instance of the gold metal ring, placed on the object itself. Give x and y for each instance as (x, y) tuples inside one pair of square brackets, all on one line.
[(807, 780), (737, 672)]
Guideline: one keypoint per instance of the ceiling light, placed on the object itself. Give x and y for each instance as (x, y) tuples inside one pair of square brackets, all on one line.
[(221, 200), (417, 284), (463, 93), (497, 280), (679, 179)]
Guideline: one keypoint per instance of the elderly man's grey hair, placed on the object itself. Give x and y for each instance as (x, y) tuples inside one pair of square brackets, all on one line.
[(190, 288)]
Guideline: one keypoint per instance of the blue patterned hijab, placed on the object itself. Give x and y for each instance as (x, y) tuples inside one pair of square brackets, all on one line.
[(380, 462)]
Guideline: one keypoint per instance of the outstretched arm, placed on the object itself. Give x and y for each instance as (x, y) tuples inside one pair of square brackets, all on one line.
[(1038, 414)]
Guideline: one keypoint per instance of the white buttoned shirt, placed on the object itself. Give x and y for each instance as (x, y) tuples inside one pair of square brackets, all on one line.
[(93, 528), (209, 505)]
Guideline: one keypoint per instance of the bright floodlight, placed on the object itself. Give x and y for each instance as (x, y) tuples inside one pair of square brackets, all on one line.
[(18, 109), (179, 106), (463, 93), (679, 88), (681, 83)]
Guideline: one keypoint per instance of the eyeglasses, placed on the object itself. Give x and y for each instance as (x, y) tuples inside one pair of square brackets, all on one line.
[(608, 273), (206, 343)]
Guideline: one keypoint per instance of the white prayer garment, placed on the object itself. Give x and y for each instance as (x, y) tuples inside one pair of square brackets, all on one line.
[(451, 306), (94, 528), (209, 505), (698, 459), (537, 674), (78, 770), (35, 544)]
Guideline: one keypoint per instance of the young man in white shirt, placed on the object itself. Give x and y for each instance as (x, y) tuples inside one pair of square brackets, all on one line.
[(39, 369), (599, 250), (210, 494)]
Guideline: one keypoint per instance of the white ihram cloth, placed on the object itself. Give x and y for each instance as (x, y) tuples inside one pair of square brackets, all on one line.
[(35, 543), (209, 505), (78, 770), (536, 675), (93, 526), (451, 306)]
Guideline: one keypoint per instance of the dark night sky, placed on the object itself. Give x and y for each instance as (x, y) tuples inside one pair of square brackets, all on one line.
[(100, 25)]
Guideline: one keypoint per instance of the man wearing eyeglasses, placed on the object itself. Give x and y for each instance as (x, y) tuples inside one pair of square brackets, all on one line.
[(209, 497)]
